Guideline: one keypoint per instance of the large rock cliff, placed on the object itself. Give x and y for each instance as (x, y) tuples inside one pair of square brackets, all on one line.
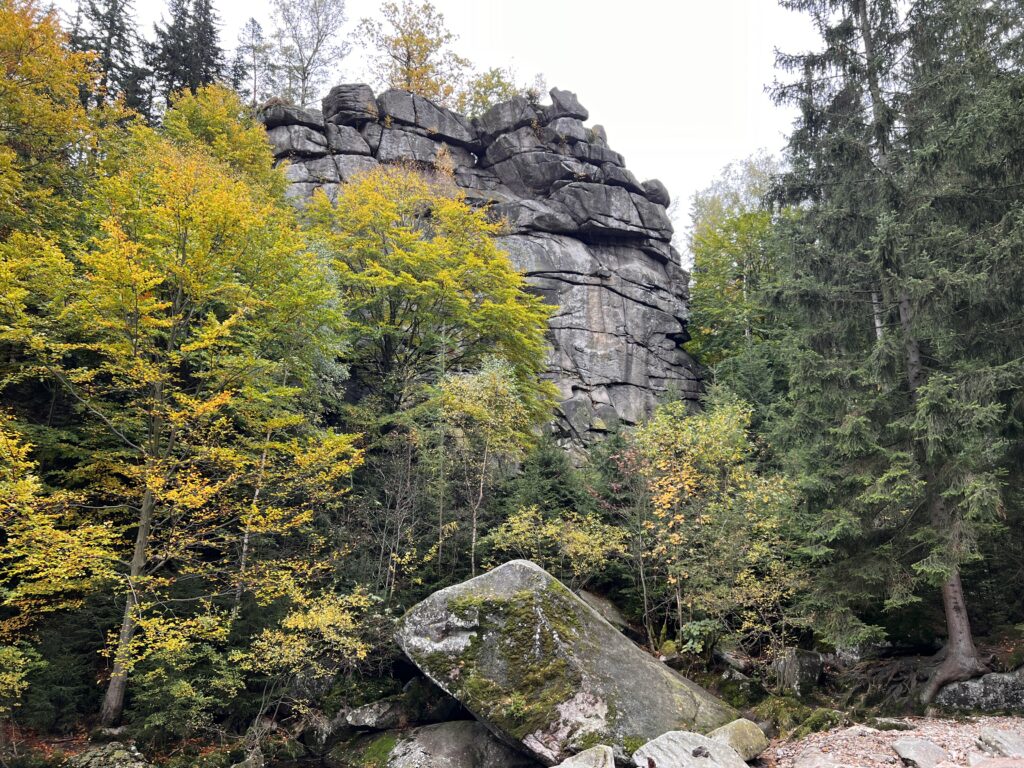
[(591, 238)]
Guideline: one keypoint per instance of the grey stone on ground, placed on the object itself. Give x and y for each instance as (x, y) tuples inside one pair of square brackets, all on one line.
[(683, 749), (814, 758), (595, 757), (994, 692), (742, 735), (540, 667), (420, 703), (919, 753), (458, 744), (112, 755), (350, 104), (1002, 743), (565, 104)]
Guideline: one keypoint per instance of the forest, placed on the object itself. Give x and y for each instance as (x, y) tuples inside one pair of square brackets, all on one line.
[(240, 438)]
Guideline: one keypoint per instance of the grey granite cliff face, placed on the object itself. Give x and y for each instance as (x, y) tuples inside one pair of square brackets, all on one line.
[(590, 237)]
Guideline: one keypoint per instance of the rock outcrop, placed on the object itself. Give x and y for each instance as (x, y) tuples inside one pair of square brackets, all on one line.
[(994, 692), (591, 238), (541, 668)]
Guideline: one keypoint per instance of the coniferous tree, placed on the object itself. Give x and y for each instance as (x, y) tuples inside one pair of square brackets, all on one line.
[(107, 28), (186, 53), (902, 375), (252, 71)]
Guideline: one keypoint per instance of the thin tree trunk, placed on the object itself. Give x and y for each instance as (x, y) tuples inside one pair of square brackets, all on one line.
[(113, 699)]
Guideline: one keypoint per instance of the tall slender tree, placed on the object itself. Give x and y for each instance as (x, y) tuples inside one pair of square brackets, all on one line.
[(187, 53), (896, 406), (252, 71), (107, 28)]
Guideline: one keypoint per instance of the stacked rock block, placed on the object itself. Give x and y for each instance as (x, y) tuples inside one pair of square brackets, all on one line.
[(590, 237)]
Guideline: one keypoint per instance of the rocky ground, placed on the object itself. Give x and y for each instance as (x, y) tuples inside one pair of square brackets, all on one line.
[(862, 747)]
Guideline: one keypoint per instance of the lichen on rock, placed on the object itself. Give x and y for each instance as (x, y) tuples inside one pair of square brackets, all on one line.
[(543, 670)]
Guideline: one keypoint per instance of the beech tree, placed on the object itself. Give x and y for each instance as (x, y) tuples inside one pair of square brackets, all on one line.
[(199, 312)]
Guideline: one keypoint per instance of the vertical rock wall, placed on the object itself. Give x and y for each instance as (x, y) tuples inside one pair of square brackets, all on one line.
[(591, 238)]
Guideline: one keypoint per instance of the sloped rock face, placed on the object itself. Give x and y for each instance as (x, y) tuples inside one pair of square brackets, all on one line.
[(590, 237), (543, 670)]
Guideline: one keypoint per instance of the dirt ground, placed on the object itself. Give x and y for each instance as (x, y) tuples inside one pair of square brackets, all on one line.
[(861, 747)]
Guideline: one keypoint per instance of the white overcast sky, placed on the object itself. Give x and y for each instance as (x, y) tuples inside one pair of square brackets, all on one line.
[(679, 85)]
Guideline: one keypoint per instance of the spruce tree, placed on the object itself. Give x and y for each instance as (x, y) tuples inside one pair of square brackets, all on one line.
[(107, 29), (187, 53), (902, 286)]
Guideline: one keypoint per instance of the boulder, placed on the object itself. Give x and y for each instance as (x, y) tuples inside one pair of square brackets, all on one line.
[(320, 170), (350, 104), (515, 143), (297, 140), (683, 749), (437, 122), (533, 215), (349, 166), (277, 113), (919, 753), (620, 177), (535, 173), (565, 104), (613, 211), (798, 671), (596, 153), (420, 703), (544, 670), (398, 146), (112, 755), (743, 736), (656, 192), (566, 129), (346, 140), (505, 118), (457, 744), (595, 757), (1002, 743), (994, 692)]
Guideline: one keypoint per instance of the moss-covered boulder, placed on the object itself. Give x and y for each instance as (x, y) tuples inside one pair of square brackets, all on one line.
[(458, 744), (541, 668)]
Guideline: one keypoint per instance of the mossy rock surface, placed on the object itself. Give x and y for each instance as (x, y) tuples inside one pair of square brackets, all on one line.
[(458, 744), (542, 669)]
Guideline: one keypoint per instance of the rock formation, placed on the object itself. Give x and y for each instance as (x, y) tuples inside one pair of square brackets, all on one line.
[(590, 237), (543, 670)]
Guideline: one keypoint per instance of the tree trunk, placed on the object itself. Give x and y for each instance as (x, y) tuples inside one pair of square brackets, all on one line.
[(113, 699)]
